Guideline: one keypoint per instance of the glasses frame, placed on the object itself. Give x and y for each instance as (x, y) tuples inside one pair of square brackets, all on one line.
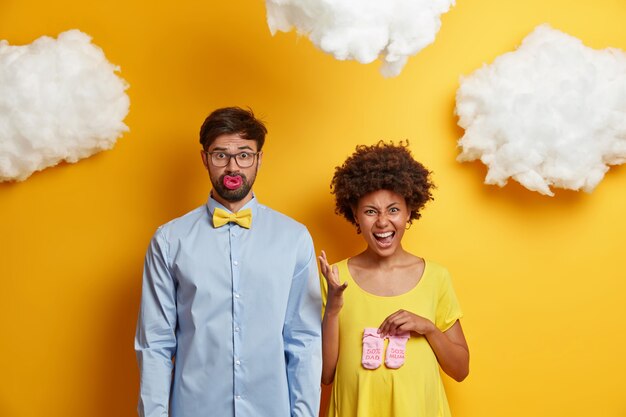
[(209, 157)]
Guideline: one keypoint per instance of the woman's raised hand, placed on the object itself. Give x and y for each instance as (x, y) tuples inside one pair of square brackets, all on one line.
[(334, 300)]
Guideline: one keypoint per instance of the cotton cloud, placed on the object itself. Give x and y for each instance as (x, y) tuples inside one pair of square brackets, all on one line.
[(60, 100), (551, 114), (363, 30)]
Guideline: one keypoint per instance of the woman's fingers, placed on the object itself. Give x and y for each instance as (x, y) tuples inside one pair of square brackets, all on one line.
[(403, 320), (330, 273), (393, 323), (324, 267)]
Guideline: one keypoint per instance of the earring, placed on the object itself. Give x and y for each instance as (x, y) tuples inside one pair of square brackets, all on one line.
[(408, 225)]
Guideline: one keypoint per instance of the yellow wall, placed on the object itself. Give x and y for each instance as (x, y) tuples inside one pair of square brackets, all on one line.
[(540, 279)]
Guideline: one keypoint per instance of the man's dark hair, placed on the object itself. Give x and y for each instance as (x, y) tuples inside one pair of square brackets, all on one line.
[(232, 120)]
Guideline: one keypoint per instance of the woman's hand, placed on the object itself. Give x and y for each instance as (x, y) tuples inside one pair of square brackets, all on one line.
[(334, 301), (450, 346), (330, 322), (405, 321)]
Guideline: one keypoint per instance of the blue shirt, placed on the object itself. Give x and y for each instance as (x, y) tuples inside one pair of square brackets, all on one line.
[(230, 318)]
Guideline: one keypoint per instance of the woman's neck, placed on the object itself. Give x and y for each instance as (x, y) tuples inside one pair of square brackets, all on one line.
[(372, 260)]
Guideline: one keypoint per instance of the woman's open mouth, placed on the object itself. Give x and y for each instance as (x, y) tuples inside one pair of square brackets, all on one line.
[(384, 239)]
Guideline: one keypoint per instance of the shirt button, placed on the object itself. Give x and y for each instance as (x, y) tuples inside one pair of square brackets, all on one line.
[(236, 295), (235, 263), (236, 329), (237, 362), (232, 234), (238, 397)]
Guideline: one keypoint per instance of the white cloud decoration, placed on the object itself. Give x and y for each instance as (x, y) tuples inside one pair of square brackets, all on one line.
[(362, 30), (60, 100), (551, 114)]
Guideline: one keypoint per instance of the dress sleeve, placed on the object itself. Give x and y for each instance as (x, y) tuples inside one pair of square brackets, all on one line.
[(302, 334), (448, 308), (155, 339), (324, 291)]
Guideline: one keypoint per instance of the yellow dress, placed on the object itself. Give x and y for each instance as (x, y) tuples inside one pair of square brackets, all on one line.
[(413, 390)]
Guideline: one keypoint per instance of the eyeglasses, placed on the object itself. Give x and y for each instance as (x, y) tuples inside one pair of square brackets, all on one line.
[(221, 159)]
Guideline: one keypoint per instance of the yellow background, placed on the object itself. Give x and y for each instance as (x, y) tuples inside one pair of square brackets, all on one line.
[(541, 280)]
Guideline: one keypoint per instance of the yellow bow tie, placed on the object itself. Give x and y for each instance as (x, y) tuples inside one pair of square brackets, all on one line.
[(243, 218)]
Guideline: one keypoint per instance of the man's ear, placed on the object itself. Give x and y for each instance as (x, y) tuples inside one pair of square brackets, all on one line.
[(205, 161), (259, 157)]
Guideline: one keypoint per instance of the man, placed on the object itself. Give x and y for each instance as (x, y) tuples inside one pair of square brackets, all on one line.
[(230, 311)]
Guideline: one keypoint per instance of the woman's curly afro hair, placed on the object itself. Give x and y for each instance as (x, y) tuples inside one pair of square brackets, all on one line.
[(383, 166)]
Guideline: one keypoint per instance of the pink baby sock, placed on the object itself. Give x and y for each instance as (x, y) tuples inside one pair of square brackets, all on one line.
[(372, 348), (394, 358)]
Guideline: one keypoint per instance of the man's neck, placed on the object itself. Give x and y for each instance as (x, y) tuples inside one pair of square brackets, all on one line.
[(232, 206)]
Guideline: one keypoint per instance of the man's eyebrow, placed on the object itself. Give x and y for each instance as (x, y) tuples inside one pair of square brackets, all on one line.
[(220, 148)]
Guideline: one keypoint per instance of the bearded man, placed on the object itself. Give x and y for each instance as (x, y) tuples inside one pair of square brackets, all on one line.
[(230, 318)]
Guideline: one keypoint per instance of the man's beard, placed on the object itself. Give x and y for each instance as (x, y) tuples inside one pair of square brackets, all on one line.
[(232, 195)]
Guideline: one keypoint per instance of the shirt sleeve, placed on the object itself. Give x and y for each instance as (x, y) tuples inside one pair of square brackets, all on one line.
[(302, 334), (448, 308), (155, 339)]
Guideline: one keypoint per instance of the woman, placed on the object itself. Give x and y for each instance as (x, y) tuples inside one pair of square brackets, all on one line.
[(395, 319)]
